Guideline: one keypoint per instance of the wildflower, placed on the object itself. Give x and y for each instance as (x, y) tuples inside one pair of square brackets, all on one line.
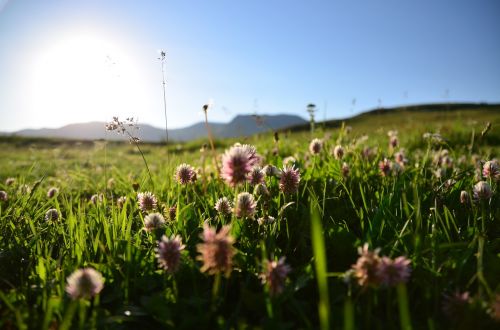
[(10, 181), (290, 160), (491, 170), (147, 201), (172, 213), (392, 272), (495, 308), (393, 141), (153, 221), (266, 220), (345, 169), (245, 205), (24, 189), (185, 174), (482, 190), (52, 192), (315, 146), (400, 158), (256, 176), (261, 190), (274, 275), (237, 162), (338, 152), (216, 251), (454, 304), (271, 170), (96, 198), (289, 180), (84, 283), (366, 268), (51, 215), (385, 167), (223, 206), (3, 196), (168, 253), (464, 197), (367, 152), (121, 201)]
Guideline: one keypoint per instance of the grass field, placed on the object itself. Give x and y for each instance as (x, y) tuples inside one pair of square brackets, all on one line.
[(432, 259)]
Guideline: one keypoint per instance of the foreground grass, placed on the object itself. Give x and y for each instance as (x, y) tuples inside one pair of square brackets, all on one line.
[(453, 247)]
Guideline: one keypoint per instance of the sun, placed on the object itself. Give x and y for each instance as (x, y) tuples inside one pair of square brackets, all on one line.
[(82, 77)]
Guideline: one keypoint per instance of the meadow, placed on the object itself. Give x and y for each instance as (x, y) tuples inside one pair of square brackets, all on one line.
[(388, 221)]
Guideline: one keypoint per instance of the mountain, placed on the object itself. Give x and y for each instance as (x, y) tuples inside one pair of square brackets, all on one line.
[(241, 125)]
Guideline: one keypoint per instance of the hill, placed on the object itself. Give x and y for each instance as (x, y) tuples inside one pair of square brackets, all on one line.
[(241, 125)]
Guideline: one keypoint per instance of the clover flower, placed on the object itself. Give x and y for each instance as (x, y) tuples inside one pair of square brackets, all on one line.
[(153, 221), (84, 283), (491, 170), (168, 253), (454, 304), (289, 180), (338, 152), (266, 220), (4, 196), (121, 201), (274, 275), (464, 197), (51, 215), (256, 176), (315, 146), (52, 192), (237, 162), (271, 170), (366, 267), (185, 174), (216, 251), (245, 205), (223, 206), (393, 272), (147, 201), (345, 169), (172, 213), (385, 167), (9, 181), (482, 191)]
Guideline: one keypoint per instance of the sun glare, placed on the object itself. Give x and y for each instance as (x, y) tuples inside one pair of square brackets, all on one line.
[(81, 78)]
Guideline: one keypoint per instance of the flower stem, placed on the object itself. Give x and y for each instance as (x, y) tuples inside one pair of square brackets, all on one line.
[(404, 310)]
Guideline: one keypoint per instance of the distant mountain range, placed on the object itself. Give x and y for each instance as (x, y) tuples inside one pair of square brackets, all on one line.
[(240, 126)]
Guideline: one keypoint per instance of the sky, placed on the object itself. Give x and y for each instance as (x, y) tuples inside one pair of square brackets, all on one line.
[(75, 61)]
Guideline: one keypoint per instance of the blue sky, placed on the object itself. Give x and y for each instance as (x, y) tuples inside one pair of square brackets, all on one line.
[(78, 61)]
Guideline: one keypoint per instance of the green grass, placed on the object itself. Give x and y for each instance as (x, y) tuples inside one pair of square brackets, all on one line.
[(452, 246)]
